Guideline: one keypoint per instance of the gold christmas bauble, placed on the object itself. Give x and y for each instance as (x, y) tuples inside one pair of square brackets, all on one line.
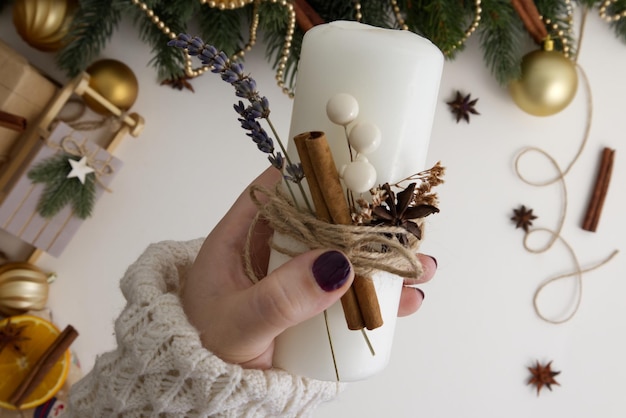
[(115, 81), (548, 84), (23, 287), (44, 24)]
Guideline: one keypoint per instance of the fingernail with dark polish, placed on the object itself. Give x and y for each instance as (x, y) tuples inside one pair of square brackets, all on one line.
[(421, 292), (331, 270), (434, 259)]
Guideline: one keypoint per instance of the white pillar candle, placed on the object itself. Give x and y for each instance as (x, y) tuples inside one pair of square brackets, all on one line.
[(394, 76)]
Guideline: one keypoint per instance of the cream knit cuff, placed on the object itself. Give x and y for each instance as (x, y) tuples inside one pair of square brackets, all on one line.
[(161, 369)]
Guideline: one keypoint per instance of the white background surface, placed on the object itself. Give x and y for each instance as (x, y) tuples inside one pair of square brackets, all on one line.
[(465, 354)]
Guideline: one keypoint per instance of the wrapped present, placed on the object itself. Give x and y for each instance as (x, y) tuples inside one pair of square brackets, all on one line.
[(24, 92), (19, 213)]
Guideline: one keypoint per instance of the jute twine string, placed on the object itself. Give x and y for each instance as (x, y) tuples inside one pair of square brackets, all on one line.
[(368, 248), (555, 235), (114, 122)]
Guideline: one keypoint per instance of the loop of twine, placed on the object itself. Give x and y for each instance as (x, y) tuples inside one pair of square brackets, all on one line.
[(71, 146), (556, 234), (368, 248), (114, 122)]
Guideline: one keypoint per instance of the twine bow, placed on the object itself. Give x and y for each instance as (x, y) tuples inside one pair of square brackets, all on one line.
[(72, 147), (368, 248)]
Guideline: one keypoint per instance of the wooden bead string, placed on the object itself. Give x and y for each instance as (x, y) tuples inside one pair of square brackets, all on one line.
[(555, 235), (192, 72)]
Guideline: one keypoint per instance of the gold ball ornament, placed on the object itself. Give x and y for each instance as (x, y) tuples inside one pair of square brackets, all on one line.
[(115, 81), (23, 287), (548, 84), (44, 24)]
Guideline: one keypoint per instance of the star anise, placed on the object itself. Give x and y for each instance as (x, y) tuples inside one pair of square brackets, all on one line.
[(11, 336), (179, 83), (542, 376), (523, 217), (462, 106), (400, 212)]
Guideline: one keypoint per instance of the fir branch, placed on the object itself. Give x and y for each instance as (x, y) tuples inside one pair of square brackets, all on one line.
[(84, 199), (222, 28), (556, 11), (60, 191), (501, 38), (619, 26), (169, 62), (331, 10), (589, 3), (442, 21), (92, 26), (377, 13), (55, 197), (54, 167), (273, 23)]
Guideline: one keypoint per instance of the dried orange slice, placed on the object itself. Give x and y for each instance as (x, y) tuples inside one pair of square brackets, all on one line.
[(15, 365)]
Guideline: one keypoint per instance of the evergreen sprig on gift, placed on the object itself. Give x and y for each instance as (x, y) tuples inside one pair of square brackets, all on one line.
[(60, 191)]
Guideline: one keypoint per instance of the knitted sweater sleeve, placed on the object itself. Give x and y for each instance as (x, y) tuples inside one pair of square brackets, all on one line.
[(161, 369)]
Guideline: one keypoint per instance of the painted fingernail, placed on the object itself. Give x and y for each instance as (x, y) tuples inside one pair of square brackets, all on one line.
[(331, 270), (421, 292)]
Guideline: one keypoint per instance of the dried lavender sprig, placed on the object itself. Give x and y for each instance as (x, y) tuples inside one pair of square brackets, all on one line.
[(248, 121), (295, 173), (290, 164), (245, 87)]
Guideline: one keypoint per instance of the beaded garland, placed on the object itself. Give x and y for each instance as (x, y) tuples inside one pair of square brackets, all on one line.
[(558, 32), (192, 72), (555, 27), (468, 32), (610, 18)]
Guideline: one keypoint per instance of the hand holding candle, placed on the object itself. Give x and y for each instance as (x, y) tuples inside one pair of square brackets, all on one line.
[(397, 95), (383, 109)]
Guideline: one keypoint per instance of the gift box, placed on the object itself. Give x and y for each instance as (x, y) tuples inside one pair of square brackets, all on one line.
[(24, 92), (18, 211)]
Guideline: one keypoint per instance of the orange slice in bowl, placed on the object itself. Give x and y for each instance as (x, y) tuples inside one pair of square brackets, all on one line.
[(38, 334)]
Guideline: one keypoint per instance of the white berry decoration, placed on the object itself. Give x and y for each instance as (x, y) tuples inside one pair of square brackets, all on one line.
[(342, 109), (359, 175), (365, 137)]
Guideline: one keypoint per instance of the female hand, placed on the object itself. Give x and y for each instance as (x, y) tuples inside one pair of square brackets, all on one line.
[(238, 321)]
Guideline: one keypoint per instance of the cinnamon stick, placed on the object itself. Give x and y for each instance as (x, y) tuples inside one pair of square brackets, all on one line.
[(528, 13), (321, 210), (43, 366), (315, 18), (303, 21), (600, 189), (306, 16), (368, 301), (349, 301), (13, 122), (360, 303)]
